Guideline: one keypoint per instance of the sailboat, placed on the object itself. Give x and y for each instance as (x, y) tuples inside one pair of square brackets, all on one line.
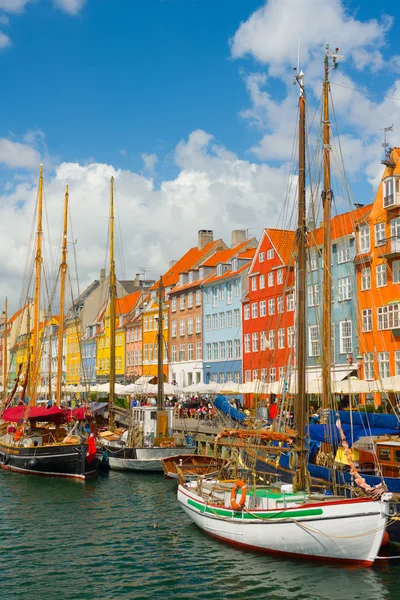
[(288, 519), (37, 440), (143, 446)]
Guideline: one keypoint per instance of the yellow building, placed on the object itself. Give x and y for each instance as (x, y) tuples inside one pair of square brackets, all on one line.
[(123, 306), (73, 358), (22, 349), (150, 346)]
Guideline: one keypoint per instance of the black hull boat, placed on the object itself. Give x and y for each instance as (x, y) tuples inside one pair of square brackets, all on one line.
[(66, 460)]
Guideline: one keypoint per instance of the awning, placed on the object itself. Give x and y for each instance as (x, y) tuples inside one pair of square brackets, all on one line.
[(144, 379), (15, 414)]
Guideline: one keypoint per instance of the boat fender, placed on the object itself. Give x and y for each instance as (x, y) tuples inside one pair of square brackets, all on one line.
[(292, 461), (6, 458), (239, 484), (33, 463)]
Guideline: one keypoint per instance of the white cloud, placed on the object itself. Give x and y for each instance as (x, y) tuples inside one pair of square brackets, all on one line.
[(18, 156), (150, 161), (5, 41), (4, 20), (72, 7), (213, 190), (13, 6)]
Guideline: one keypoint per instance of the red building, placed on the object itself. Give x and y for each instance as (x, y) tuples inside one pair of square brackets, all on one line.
[(268, 308)]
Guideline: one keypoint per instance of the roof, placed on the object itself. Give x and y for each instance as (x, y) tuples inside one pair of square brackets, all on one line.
[(249, 253), (125, 304), (224, 256), (284, 243), (212, 278), (186, 262), (16, 314), (341, 225)]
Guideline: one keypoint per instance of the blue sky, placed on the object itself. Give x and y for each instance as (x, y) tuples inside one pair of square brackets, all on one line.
[(189, 103)]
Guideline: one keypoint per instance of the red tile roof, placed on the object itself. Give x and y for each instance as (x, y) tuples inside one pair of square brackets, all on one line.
[(224, 256), (284, 241), (341, 225), (126, 303), (248, 253), (215, 278)]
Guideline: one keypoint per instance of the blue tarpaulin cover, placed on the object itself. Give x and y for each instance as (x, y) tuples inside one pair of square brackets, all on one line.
[(223, 405)]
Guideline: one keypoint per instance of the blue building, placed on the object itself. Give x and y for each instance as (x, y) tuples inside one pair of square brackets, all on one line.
[(223, 291), (88, 376)]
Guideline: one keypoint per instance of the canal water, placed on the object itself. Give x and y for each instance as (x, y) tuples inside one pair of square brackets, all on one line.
[(123, 536)]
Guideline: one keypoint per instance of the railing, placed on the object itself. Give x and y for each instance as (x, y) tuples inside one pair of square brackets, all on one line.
[(390, 246)]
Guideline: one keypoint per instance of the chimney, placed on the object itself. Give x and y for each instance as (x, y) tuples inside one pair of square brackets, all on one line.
[(238, 237), (171, 263), (102, 275), (137, 279), (205, 236)]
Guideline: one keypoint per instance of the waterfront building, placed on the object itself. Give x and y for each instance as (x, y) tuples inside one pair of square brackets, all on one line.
[(134, 340), (5, 349), (49, 354), (268, 308), (378, 277), (89, 355), (150, 317)]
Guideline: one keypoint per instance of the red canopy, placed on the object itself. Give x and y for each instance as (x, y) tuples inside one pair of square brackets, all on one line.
[(15, 414)]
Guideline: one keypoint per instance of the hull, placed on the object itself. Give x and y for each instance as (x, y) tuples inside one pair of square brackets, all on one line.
[(348, 531), (191, 465), (64, 460), (142, 459)]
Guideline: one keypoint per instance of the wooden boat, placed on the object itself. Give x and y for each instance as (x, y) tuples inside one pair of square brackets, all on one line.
[(192, 465)]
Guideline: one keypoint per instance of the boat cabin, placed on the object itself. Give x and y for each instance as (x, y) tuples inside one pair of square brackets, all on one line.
[(388, 453)]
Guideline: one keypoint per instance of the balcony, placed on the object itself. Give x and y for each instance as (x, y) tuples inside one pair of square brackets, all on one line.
[(390, 248), (391, 201)]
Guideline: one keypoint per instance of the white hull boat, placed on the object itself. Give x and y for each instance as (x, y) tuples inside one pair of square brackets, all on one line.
[(292, 524), (145, 459)]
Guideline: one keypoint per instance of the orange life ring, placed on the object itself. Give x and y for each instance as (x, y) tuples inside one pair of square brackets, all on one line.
[(239, 484)]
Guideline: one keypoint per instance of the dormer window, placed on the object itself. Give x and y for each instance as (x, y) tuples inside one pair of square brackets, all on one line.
[(391, 192), (190, 276), (219, 269), (235, 264), (181, 279), (201, 273)]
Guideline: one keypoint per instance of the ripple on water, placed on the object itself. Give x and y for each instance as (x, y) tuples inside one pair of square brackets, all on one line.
[(71, 541)]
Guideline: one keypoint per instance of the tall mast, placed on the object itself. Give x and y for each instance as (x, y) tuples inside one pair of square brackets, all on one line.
[(113, 293), (160, 349), (5, 343), (327, 279), (63, 275), (300, 480), (36, 300)]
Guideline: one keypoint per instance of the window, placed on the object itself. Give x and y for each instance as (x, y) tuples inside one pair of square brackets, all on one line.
[(270, 254), (182, 327), (313, 337), (146, 352), (263, 341), (388, 317), (181, 352), (229, 318), (396, 271), (173, 304), (381, 275), (263, 308), (271, 279), (165, 350), (272, 374), (254, 342), (236, 317), (198, 324), (208, 351), (262, 282), (222, 377), (290, 302), (165, 317), (367, 319), (346, 344), (150, 352), (236, 287), (173, 329), (220, 269), (222, 320), (247, 375), (379, 234), (271, 306), (279, 276), (344, 288), (146, 324), (271, 339), (264, 374), (198, 350), (366, 278), (255, 374), (214, 296), (237, 376), (237, 349), (388, 195), (182, 302), (215, 350), (234, 264), (190, 351), (254, 283), (397, 361), (208, 296), (215, 321), (190, 327), (383, 363), (190, 300), (247, 343), (246, 312), (198, 297), (215, 377), (280, 307), (281, 373), (313, 295), (208, 322), (222, 350), (290, 337), (364, 239), (254, 310), (343, 252), (229, 293), (261, 257), (222, 292), (229, 349), (313, 263), (281, 338)]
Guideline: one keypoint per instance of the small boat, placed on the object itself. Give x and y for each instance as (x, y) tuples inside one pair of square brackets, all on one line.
[(192, 465)]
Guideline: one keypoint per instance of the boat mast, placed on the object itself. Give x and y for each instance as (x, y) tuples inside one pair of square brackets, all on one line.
[(112, 293), (5, 365), (301, 479), (63, 275), (36, 304), (327, 196), (160, 350)]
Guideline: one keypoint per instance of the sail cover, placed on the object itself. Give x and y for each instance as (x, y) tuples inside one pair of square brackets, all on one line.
[(223, 405), (15, 414)]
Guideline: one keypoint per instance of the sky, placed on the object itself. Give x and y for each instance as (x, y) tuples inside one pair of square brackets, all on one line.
[(190, 105)]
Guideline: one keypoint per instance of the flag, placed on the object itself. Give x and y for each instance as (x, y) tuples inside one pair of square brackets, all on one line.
[(91, 451)]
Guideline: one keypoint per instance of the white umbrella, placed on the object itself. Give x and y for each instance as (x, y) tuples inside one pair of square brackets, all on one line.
[(254, 387), (203, 388), (353, 385), (118, 388), (388, 384)]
